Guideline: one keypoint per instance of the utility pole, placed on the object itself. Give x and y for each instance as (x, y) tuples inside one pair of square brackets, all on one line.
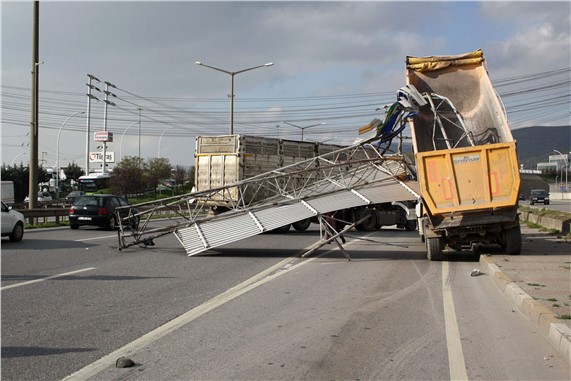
[(34, 130), (88, 129), (107, 102)]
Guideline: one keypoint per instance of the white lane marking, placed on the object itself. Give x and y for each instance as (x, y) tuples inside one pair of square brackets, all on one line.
[(265, 276), (455, 353), (46, 278), (95, 238)]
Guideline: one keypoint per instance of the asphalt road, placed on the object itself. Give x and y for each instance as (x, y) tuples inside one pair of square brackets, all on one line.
[(254, 310), (560, 205)]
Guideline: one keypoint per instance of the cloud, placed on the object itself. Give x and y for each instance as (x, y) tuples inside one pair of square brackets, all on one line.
[(539, 36)]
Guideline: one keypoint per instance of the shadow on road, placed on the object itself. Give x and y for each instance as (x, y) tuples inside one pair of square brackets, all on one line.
[(45, 244), (13, 352)]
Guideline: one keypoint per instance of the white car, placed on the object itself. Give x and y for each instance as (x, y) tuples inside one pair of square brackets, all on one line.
[(12, 223), (43, 198)]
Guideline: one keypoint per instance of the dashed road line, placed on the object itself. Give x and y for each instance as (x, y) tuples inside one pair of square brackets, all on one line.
[(46, 278)]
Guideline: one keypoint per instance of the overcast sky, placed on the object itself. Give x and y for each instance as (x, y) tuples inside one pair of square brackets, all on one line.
[(325, 55)]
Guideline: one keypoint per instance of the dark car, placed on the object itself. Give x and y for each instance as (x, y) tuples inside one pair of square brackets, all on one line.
[(100, 210), (70, 198), (539, 196)]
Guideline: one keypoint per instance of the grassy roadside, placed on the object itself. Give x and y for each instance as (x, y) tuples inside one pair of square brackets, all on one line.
[(543, 212), (558, 215)]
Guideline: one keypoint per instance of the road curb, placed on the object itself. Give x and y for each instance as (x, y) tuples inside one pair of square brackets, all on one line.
[(557, 333)]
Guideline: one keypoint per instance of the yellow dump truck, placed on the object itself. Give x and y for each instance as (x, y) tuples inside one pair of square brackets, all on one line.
[(465, 154)]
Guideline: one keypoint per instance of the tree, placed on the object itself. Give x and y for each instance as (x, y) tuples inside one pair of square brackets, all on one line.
[(179, 175), (20, 175), (157, 168), (127, 177), (73, 171)]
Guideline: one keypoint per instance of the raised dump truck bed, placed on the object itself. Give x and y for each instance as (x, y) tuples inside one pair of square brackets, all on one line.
[(466, 157)]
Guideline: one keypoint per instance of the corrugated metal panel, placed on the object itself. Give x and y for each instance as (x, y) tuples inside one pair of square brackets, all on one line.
[(336, 201), (237, 226), (386, 192), (216, 233), (276, 217)]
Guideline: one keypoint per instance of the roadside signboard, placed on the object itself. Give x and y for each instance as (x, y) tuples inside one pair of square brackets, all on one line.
[(104, 136), (97, 157)]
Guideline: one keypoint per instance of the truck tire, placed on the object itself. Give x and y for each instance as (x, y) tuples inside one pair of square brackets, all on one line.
[(512, 240), (302, 225), (434, 247), (368, 225), (410, 225)]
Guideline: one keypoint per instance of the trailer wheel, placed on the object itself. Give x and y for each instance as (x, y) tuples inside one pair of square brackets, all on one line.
[(368, 225), (410, 225), (512, 240), (434, 247), (302, 225), (282, 229)]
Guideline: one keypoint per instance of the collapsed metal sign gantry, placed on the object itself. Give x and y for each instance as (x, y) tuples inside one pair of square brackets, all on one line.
[(349, 177)]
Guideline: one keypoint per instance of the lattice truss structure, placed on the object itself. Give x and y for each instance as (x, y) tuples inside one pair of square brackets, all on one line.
[(268, 201)]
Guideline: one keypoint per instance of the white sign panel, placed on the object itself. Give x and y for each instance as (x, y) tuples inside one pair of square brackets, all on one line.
[(97, 157), (104, 136)]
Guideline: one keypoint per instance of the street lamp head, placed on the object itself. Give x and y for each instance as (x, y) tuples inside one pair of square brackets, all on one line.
[(198, 62), (269, 64)]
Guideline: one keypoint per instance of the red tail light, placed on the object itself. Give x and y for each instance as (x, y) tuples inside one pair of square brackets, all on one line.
[(101, 211), (71, 210)]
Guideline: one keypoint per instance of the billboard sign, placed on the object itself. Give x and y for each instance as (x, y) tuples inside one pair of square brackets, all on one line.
[(97, 157), (104, 136)]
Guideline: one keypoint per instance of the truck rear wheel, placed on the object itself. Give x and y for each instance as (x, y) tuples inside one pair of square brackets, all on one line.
[(302, 225), (434, 247), (512, 240), (368, 225)]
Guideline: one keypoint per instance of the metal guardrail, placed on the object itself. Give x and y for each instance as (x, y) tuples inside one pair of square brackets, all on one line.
[(33, 216), (59, 214)]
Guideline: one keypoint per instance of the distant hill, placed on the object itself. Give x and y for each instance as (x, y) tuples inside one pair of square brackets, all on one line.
[(535, 144)]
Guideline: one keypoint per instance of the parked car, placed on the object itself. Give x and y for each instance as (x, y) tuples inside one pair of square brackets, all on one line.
[(12, 223), (100, 210), (43, 198), (539, 196), (70, 198)]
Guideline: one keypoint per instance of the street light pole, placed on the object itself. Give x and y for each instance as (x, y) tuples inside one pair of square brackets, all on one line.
[(160, 139), (304, 128), (122, 136), (140, 109), (566, 170), (57, 150), (232, 74), (17, 156)]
